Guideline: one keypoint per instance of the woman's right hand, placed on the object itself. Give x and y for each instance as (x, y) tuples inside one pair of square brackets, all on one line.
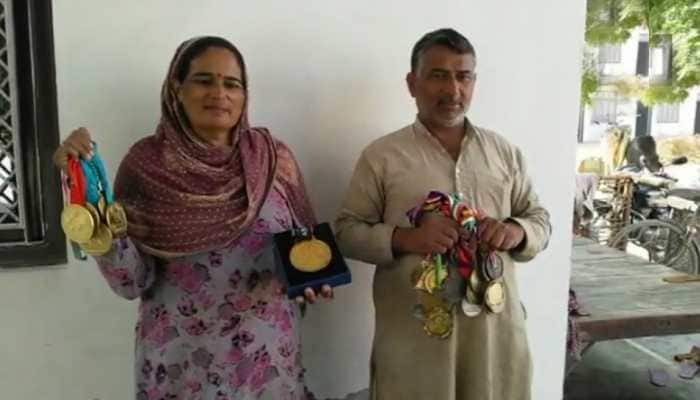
[(78, 144)]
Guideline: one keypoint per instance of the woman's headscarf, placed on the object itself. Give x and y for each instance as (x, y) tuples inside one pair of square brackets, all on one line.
[(184, 196)]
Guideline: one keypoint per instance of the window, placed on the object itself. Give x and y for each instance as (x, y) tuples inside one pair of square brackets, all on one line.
[(660, 61), (642, 59), (604, 110), (610, 54), (667, 113), (30, 194)]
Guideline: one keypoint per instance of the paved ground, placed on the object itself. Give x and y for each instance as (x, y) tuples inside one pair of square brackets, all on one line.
[(620, 370)]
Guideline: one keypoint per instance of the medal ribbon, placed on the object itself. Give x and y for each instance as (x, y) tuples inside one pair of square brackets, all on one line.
[(438, 269), (96, 177), (92, 183), (463, 255), (77, 182), (102, 175)]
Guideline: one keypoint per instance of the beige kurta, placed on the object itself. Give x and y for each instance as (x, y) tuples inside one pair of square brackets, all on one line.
[(486, 357)]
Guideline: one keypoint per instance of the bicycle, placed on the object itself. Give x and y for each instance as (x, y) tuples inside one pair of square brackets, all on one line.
[(670, 238)]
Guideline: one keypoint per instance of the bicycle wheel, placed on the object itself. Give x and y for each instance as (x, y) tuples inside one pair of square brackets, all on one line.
[(663, 242)]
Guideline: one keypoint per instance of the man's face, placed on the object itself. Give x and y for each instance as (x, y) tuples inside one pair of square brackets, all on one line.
[(443, 85)]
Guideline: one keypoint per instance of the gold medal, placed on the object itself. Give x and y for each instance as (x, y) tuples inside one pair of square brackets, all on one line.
[(420, 283), (77, 222), (495, 296), (416, 277), (438, 323), (94, 213), (429, 301), (100, 243), (102, 206), (310, 255), (433, 279), (116, 219), (429, 280), (417, 274)]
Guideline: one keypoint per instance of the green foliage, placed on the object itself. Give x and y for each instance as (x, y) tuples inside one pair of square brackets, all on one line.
[(612, 21), (658, 94), (589, 85), (673, 21)]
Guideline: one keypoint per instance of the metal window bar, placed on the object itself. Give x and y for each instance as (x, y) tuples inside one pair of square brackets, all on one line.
[(31, 54), (610, 54), (604, 110), (12, 207), (667, 113)]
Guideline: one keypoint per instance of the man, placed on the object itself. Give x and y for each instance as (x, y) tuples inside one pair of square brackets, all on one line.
[(485, 357)]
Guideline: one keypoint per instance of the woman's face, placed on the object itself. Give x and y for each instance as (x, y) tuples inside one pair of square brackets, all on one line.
[(212, 94)]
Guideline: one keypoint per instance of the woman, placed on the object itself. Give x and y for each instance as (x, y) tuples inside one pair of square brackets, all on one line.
[(203, 197)]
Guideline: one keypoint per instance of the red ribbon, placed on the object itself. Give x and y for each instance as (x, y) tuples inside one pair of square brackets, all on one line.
[(77, 182), (464, 254)]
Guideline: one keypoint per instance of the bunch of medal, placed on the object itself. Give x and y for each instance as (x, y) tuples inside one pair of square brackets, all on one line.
[(92, 218), (469, 274)]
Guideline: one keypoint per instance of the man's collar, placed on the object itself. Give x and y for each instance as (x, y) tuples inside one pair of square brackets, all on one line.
[(423, 130)]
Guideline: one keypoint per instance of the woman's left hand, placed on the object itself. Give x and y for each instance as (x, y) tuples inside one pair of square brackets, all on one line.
[(310, 296)]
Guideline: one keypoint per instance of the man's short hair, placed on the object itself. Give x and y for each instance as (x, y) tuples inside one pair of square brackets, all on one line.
[(447, 37)]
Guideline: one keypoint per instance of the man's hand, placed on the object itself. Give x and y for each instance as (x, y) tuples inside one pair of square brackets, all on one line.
[(435, 235), (501, 235)]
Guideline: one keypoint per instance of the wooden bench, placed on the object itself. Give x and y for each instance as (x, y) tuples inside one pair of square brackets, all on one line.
[(627, 297)]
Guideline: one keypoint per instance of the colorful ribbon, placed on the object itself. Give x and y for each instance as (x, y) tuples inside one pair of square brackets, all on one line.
[(463, 255), (102, 174), (77, 182), (96, 179)]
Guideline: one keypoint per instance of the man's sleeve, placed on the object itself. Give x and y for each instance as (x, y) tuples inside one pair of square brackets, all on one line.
[(528, 213), (360, 230)]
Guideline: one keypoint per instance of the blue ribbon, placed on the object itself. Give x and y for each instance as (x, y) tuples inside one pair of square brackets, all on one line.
[(92, 183), (96, 179), (104, 180)]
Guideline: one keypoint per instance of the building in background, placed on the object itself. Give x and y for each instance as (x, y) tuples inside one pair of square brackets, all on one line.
[(633, 61)]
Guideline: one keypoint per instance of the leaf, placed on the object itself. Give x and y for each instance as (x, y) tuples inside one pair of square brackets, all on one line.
[(673, 21)]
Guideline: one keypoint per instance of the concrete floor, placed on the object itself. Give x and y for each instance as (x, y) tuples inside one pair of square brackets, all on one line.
[(361, 395), (619, 370)]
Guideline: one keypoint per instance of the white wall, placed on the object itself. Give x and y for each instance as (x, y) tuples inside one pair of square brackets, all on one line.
[(627, 109), (686, 117), (626, 68), (626, 116), (628, 56), (326, 78)]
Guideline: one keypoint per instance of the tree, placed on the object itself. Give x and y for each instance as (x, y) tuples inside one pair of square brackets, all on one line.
[(668, 21), (589, 79)]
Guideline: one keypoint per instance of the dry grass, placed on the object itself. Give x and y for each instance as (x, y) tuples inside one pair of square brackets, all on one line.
[(670, 148)]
